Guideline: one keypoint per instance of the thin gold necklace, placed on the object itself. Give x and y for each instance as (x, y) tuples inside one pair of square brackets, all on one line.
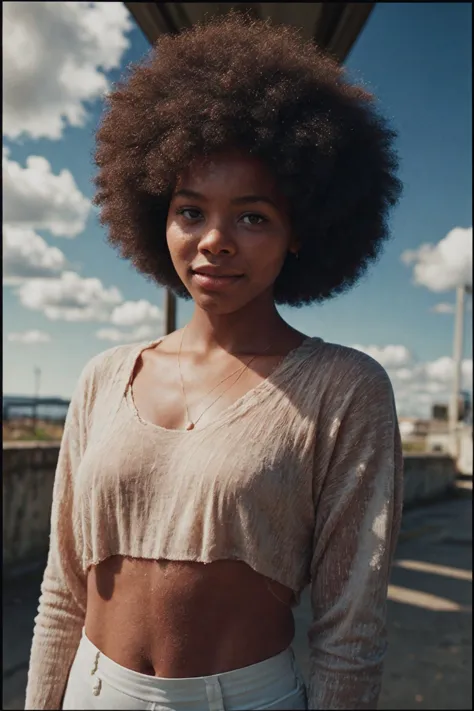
[(191, 424)]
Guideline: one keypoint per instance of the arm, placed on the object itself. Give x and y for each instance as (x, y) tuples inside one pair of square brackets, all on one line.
[(62, 604), (357, 521)]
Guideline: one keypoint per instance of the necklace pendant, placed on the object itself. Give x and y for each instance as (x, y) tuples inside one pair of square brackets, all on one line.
[(190, 426)]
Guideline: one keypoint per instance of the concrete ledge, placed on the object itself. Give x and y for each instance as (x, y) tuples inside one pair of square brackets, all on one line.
[(427, 477), (33, 444)]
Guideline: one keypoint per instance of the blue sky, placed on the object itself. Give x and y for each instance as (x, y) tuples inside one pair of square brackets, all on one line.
[(416, 58)]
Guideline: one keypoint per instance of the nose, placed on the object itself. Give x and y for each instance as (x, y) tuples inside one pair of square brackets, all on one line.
[(216, 241)]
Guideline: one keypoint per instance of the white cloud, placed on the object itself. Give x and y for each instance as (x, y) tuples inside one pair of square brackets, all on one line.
[(425, 384), (29, 337), (54, 58), (133, 313), (404, 374), (440, 370), (118, 336), (446, 265), (34, 197), (70, 298), (418, 385), (444, 308), (26, 255), (388, 356)]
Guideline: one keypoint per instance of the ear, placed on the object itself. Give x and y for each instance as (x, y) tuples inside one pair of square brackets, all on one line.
[(294, 247)]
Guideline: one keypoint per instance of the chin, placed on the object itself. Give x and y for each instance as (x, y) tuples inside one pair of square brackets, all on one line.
[(218, 303), (215, 305)]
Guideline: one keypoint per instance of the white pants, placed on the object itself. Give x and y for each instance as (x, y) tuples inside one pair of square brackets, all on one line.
[(96, 682)]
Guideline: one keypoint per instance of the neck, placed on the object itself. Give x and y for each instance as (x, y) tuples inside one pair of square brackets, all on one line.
[(249, 330)]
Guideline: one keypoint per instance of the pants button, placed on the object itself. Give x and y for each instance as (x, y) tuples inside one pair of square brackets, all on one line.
[(96, 688)]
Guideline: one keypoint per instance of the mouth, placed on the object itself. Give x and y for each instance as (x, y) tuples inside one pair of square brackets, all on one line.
[(215, 283)]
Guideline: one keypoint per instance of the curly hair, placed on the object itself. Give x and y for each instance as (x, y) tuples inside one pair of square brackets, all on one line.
[(240, 83)]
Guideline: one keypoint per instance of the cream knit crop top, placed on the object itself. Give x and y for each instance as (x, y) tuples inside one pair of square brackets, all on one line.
[(301, 478)]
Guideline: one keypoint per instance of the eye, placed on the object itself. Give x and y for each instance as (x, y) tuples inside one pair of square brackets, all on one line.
[(189, 213), (254, 219)]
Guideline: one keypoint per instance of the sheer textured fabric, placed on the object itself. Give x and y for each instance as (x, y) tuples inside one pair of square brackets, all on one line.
[(301, 478)]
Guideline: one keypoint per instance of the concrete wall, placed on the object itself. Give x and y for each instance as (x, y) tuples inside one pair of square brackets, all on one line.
[(28, 476), (439, 442), (427, 476)]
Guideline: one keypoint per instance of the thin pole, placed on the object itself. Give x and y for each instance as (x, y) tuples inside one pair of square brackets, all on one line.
[(37, 372), (457, 363), (170, 312)]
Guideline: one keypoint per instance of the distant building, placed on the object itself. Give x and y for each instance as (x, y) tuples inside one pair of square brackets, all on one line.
[(413, 427), (465, 408), (425, 435), (433, 435), (439, 438), (440, 411)]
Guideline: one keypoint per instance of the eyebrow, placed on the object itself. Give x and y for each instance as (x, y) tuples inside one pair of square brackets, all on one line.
[(184, 192)]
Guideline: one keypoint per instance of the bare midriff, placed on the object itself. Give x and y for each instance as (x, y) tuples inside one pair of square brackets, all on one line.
[(184, 619)]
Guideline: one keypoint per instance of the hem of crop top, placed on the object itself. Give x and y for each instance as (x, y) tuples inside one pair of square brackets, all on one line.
[(193, 558), (245, 400)]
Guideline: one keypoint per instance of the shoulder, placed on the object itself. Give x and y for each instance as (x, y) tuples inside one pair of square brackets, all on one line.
[(355, 398), (113, 358), (346, 373), (109, 367), (353, 363)]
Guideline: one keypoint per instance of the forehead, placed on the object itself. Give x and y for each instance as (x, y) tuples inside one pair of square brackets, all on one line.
[(229, 172)]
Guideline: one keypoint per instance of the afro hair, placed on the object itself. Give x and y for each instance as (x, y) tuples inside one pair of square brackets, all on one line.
[(241, 83)]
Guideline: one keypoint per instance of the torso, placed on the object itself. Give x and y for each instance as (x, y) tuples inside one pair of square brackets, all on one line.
[(183, 619)]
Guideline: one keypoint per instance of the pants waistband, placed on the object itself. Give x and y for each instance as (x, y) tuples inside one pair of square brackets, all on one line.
[(243, 684)]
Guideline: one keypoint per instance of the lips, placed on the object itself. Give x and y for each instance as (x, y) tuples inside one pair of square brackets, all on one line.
[(214, 272), (214, 282)]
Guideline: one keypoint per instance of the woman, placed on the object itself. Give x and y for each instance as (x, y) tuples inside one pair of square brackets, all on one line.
[(206, 478)]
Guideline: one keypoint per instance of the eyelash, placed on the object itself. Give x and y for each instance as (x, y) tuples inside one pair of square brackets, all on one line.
[(182, 210)]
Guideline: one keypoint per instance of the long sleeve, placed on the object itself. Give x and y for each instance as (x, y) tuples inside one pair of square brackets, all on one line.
[(62, 604), (357, 520)]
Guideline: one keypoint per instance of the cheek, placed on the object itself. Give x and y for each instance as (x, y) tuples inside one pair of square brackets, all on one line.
[(268, 257), (179, 245)]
